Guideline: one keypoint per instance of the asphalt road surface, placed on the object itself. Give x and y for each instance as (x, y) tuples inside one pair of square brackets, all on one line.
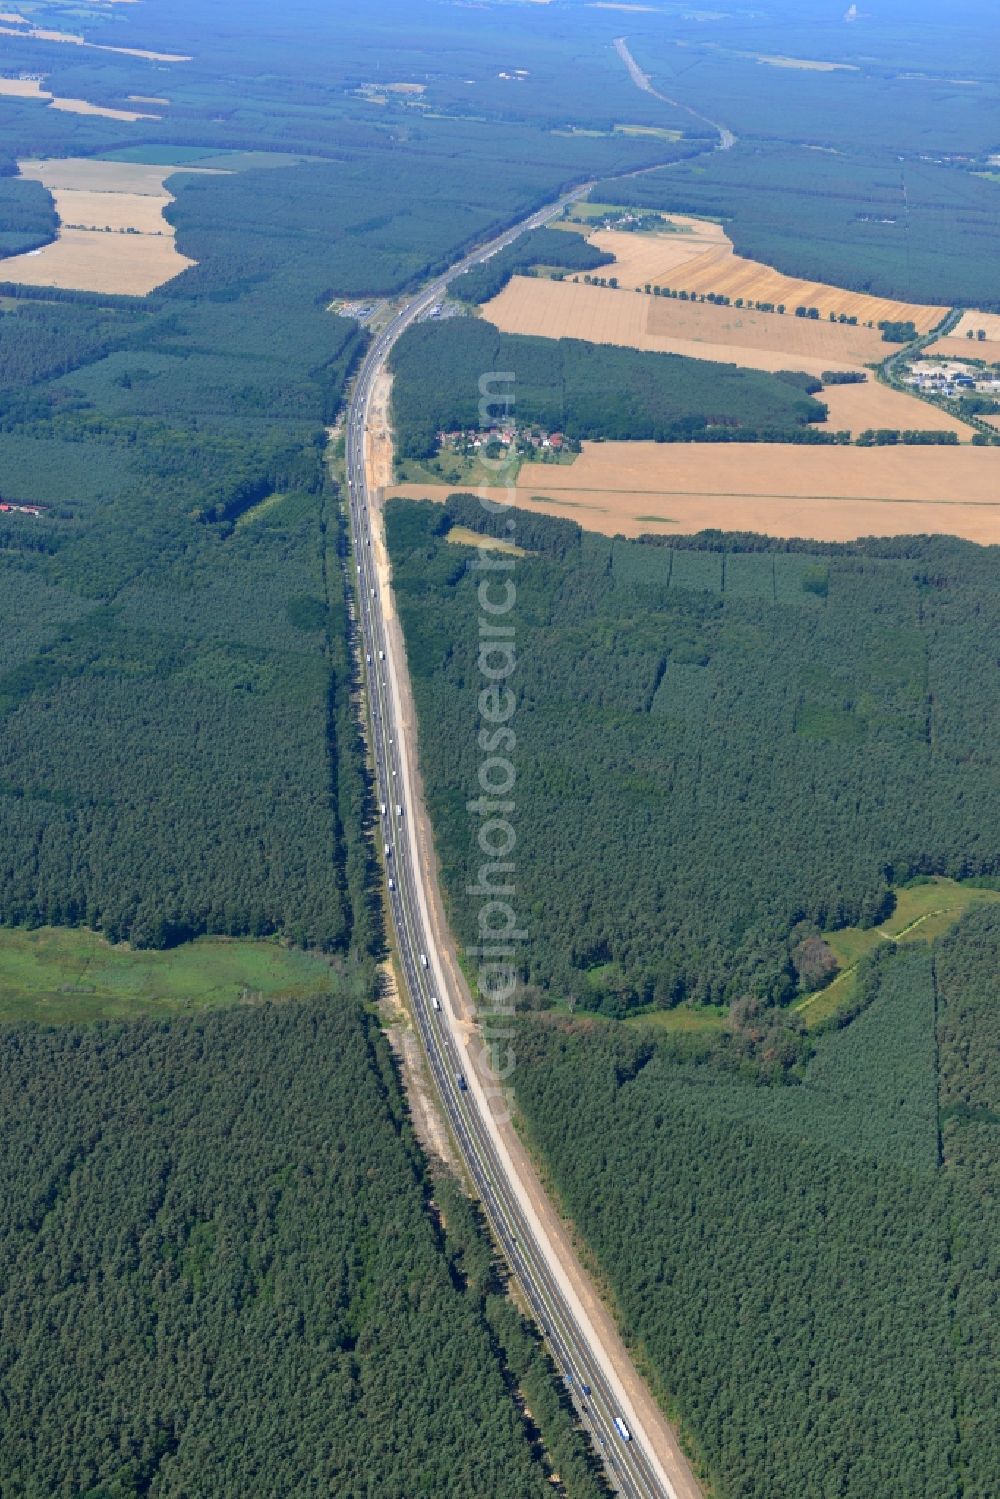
[(581, 1347)]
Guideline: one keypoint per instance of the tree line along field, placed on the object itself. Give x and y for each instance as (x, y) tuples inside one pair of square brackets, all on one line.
[(249, 1283), (809, 1269), (699, 257), (699, 330), (735, 725)]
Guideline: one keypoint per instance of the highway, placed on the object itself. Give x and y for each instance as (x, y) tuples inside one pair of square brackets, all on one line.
[(580, 1347)]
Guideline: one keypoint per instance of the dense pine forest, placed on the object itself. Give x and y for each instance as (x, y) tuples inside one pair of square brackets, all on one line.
[(543, 247), (717, 745), (857, 219), (589, 390), (224, 1270), (811, 1269)]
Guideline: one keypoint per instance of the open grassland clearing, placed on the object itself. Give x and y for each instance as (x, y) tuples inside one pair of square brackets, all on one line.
[(802, 64), (59, 975), (699, 330), (113, 236), (87, 174), (463, 536), (854, 408), (923, 912), (778, 489)]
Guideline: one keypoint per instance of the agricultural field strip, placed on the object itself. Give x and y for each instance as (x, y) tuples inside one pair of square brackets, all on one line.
[(693, 259), (828, 494), (31, 88), (755, 340), (112, 235)]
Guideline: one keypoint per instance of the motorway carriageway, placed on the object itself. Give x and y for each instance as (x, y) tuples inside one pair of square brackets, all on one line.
[(632, 1466)]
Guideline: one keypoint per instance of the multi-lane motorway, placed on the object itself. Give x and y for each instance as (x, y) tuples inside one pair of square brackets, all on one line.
[(579, 1344)]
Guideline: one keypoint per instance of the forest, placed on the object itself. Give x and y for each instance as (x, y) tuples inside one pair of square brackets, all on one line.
[(810, 1269), (548, 247), (874, 223), (248, 1284), (188, 757), (717, 742), (586, 390)]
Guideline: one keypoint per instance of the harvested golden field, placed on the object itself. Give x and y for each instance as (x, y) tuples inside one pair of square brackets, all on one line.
[(854, 407), (22, 88), (563, 309), (658, 257), (82, 107), (702, 259), (31, 88), (972, 322), (825, 345), (756, 340), (87, 260), (97, 202), (963, 348), (84, 209), (826, 494)]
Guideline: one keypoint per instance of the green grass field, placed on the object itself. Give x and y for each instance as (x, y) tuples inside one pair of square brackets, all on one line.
[(684, 1020), (57, 975), (923, 912)]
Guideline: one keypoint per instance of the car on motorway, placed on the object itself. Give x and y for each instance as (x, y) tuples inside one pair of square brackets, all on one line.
[(622, 1429)]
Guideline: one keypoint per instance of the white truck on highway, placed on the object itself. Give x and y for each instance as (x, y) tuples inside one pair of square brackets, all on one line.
[(423, 960), (622, 1429)]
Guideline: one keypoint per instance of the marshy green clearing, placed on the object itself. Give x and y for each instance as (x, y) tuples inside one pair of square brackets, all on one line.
[(58, 975)]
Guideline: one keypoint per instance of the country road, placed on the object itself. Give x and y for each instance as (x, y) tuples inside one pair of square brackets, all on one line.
[(727, 139), (634, 1440)]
